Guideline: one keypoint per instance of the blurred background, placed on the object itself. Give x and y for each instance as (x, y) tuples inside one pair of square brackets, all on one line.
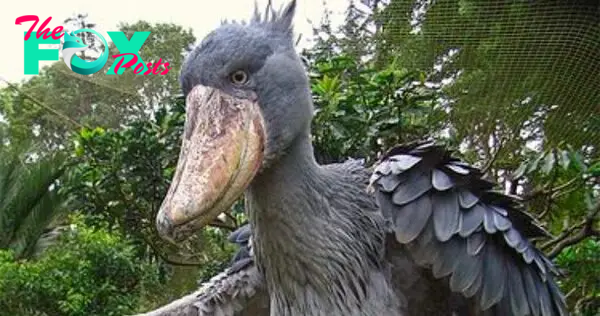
[(85, 161)]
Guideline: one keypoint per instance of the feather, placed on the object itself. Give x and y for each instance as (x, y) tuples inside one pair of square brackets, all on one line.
[(540, 266), (240, 235), (494, 280), (385, 204), (388, 184), (476, 285), (549, 264), (470, 220), (533, 295), (557, 297), (449, 260), (445, 215), (425, 250), (411, 218), (412, 189), (499, 210), (440, 180), (403, 162), (512, 237), (528, 254), (501, 222), (384, 168), (545, 303), (475, 243), (488, 221), (516, 292), (457, 169), (243, 253), (461, 244), (464, 271), (523, 245), (466, 198), (425, 145), (461, 164)]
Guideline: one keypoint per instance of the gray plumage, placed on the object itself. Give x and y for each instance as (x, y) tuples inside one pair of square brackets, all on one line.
[(429, 237)]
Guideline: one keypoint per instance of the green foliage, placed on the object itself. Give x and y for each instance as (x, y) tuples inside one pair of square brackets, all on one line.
[(373, 90), (88, 272), (98, 99), (361, 110), (124, 174), (29, 203), (120, 180), (580, 263), (364, 107), (506, 62)]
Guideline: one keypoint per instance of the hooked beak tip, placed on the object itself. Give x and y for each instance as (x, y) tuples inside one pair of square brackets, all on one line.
[(165, 227)]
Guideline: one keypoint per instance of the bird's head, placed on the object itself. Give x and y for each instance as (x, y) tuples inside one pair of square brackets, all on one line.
[(247, 99)]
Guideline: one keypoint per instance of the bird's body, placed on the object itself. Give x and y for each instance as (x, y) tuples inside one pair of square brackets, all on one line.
[(420, 233), (319, 239)]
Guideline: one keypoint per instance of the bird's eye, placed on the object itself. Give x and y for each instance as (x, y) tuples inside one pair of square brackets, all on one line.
[(238, 77)]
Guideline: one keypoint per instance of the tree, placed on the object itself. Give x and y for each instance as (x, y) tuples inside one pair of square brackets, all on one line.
[(29, 202), (503, 66), (87, 272), (119, 180), (98, 100)]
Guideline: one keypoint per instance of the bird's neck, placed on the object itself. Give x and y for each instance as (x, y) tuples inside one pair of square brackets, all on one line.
[(287, 184), (284, 204), (302, 242)]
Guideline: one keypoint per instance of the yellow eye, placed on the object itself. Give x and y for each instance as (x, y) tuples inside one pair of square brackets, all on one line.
[(238, 77)]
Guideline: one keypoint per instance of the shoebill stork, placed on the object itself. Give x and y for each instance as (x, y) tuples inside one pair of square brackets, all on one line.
[(418, 233)]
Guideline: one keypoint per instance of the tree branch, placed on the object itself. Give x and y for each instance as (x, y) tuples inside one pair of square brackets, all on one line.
[(553, 190), (42, 105), (586, 229), (166, 258), (220, 224), (492, 160)]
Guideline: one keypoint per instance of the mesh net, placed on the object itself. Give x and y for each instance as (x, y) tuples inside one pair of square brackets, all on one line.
[(505, 60), (543, 55)]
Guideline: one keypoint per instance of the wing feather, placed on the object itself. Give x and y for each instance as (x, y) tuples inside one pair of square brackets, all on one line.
[(453, 222), (412, 188), (516, 289), (240, 289), (441, 181), (470, 220), (445, 215), (412, 218), (494, 273)]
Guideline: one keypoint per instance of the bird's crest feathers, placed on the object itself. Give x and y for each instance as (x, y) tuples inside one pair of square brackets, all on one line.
[(278, 21)]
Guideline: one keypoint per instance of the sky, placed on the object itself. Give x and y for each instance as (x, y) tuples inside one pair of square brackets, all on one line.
[(201, 18)]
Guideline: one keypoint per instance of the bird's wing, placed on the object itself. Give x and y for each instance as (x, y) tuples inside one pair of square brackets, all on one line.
[(239, 290), (451, 221)]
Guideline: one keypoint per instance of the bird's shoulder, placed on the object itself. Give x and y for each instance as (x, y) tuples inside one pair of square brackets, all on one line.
[(454, 223), (350, 169)]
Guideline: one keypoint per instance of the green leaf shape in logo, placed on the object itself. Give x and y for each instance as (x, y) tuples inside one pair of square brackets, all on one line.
[(83, 67)]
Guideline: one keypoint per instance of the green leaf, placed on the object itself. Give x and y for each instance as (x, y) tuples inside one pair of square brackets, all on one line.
[(520, 172), (549, 162), (594, 170), (535, 163), (564, 159), (577, 161)]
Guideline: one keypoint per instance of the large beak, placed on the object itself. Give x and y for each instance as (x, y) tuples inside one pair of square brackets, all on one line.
[(222, 149)]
